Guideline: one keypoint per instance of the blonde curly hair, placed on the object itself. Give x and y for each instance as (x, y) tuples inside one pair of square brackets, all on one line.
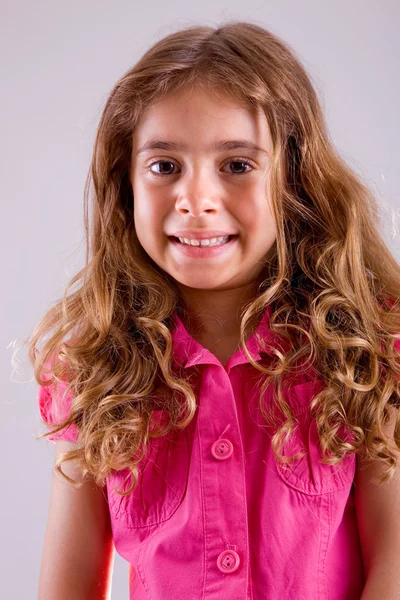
[(331, 282)]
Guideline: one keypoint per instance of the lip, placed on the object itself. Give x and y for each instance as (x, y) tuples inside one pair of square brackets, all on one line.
[(203, 251), (200, 234)]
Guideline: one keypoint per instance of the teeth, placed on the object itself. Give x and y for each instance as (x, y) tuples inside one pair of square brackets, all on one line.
[(206, 242)]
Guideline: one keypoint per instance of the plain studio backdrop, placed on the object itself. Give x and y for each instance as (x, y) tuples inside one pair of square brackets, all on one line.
[(59, 61)]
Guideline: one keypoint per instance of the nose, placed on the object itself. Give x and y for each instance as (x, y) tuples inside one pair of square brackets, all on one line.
[(197, 195)]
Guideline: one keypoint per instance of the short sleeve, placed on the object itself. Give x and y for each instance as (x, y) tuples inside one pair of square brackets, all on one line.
[(54, 410)]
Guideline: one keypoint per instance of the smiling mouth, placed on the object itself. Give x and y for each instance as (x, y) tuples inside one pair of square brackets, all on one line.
[(177, 240)]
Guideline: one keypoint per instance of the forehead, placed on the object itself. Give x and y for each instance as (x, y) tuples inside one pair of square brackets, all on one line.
[(199, 114)]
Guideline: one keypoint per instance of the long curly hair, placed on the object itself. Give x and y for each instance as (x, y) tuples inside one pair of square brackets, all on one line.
[(331, 282)]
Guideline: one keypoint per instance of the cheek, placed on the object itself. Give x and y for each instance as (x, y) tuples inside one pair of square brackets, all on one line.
[(149, 217), (255, 216), (147, 211), (259, 225)]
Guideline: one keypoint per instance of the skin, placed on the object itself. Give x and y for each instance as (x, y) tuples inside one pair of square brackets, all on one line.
[(206, 189)]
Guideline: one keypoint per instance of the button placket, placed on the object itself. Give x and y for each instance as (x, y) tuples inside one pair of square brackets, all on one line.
[(224, 492)]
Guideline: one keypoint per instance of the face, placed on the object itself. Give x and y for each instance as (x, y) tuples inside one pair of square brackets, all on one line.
[(193, 187)]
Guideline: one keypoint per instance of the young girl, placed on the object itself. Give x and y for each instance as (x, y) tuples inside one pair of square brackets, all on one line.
[(222, 386)]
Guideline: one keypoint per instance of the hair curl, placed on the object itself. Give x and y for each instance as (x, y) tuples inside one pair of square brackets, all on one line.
[(332, 283)]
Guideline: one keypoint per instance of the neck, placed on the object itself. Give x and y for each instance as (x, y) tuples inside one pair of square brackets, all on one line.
[(216, 313)]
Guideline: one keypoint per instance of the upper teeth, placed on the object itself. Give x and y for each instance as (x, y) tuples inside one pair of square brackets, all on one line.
[(206, 242)]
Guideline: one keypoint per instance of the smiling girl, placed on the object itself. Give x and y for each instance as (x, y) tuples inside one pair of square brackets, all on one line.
[(202, 210), (222, 388)]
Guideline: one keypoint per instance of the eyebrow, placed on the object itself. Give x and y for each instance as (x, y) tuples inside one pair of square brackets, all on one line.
[(216, 146)]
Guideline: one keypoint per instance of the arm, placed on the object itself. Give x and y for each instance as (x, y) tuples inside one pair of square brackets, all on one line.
[(378, 517), (78, 551)]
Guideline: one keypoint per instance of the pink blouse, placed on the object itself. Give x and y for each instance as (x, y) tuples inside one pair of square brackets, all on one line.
[(215, 516)]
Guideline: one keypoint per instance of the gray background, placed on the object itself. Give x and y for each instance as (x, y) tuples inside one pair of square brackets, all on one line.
[(59, 61)]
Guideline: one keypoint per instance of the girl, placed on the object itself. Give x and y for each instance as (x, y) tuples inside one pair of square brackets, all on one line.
[(222, 386)]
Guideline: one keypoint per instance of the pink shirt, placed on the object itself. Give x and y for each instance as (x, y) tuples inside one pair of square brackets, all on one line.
[(214, 516)]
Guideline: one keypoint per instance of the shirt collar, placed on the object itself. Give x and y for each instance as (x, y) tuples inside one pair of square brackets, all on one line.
[(188, 352)]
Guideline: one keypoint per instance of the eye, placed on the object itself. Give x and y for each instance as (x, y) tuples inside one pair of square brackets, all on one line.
[(240, 161), (165, 163)]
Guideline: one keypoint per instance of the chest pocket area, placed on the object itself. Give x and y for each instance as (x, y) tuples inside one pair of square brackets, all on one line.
[(161, 486), (307, 474)]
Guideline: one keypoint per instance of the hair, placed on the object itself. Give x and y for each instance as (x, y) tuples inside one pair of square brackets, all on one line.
[(331, 282)]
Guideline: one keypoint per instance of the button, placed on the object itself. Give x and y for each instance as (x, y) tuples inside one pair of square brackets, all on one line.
[(228, 561), (222, 449)]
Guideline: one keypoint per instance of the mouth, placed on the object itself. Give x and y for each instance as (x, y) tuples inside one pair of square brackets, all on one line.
[(204, 248), (177, 240)]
